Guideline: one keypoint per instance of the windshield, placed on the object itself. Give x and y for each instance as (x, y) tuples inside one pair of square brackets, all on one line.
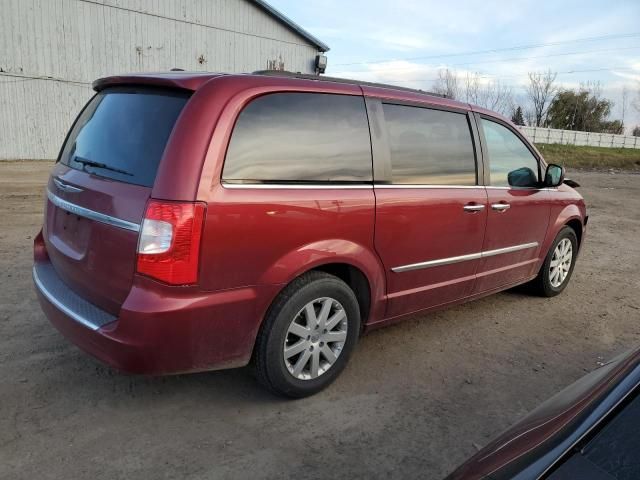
[(122, 133)]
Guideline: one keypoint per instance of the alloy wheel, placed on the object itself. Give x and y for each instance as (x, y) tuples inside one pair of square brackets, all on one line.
[(560, 263), (315, 338)]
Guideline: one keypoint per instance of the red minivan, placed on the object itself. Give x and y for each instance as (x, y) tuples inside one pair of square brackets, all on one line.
[(198, 221)]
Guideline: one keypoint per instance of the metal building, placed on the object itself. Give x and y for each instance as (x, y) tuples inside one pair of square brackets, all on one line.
[(51, 51)]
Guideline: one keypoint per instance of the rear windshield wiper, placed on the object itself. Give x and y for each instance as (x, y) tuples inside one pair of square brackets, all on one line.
[(90, 163)]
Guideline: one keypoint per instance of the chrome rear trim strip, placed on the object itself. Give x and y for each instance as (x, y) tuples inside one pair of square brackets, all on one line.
[(463, 258), (91, 214)]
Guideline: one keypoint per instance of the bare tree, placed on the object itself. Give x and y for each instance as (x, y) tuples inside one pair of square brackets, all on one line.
[(530, 117), (625, 102), (474, 89), (489, 94), (541, 92), (636, 102), (593, 87), (447, 84)]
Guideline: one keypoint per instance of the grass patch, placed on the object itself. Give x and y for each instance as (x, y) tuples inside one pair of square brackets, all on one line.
[(590, 157)]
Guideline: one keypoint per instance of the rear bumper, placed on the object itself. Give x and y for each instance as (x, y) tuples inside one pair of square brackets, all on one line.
[(160, 329)]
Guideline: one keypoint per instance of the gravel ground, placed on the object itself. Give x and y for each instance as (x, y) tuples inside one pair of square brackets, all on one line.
[(416, 400)]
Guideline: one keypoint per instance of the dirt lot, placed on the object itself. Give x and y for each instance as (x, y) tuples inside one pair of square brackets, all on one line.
[(417, 398)]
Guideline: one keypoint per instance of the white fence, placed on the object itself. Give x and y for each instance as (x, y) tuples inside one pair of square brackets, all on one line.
[(571, 137)]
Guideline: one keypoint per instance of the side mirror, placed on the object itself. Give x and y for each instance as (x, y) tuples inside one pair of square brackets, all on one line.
[(522, 177), (554, 176)]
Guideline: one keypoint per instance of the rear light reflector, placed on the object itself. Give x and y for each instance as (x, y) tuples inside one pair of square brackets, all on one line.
[(169, 243)]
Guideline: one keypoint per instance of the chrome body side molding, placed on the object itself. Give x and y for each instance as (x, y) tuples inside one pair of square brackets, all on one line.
[(463, 258), (297, 186), (515, 248), (399, 186)]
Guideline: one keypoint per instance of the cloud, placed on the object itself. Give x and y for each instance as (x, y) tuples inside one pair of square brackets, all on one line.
[(400, 72), (405, 41), (634, 77), (402, 31)]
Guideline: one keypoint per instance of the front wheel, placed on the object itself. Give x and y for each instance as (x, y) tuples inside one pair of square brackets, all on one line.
[(558, 265), (307, 336)]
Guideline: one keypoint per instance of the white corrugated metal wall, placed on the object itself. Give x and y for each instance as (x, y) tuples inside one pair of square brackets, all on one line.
[(76, 41), (572, 137)]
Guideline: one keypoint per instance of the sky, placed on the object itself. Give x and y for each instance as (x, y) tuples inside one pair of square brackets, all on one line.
[(406, 42)]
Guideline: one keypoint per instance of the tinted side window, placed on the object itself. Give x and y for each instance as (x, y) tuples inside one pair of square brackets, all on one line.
[(300, 137), (122, 133), (429, 147), (511, 162)]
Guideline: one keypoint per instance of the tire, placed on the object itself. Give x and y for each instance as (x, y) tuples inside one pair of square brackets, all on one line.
[(324, 293), (545, 284)]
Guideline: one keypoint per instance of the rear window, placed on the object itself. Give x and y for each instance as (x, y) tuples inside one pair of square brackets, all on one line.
[(122, 133), (300, 137)]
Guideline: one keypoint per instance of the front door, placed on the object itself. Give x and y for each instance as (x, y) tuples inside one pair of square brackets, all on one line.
[(518, 209), (431, 213)]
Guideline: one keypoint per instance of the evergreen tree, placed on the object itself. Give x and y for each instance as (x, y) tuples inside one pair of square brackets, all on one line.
[(517, 116)]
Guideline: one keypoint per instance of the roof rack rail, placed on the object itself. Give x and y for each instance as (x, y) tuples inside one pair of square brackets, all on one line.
[(307, 76)]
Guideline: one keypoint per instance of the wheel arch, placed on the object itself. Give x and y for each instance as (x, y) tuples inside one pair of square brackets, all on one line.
[(356, 280), (576, 225), (570, 215), (363, 286), (356, 265)]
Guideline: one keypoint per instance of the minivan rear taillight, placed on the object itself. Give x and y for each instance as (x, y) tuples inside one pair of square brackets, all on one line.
[(169, 243)]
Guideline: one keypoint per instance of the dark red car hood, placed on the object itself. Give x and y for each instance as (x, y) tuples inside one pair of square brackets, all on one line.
[(533, 445)]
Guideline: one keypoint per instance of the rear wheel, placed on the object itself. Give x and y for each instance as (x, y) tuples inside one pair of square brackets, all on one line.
[(558, 265), (307, 336)]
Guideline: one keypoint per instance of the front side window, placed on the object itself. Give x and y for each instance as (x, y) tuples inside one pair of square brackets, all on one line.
[(429, 147), (511, 162), (300, 137)]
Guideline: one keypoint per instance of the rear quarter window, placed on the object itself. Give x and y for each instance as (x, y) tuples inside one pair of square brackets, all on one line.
[(300, 138), (122, 133)]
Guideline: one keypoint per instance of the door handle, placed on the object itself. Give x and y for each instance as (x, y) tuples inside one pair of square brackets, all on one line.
[(472, 208), (500, 207)]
